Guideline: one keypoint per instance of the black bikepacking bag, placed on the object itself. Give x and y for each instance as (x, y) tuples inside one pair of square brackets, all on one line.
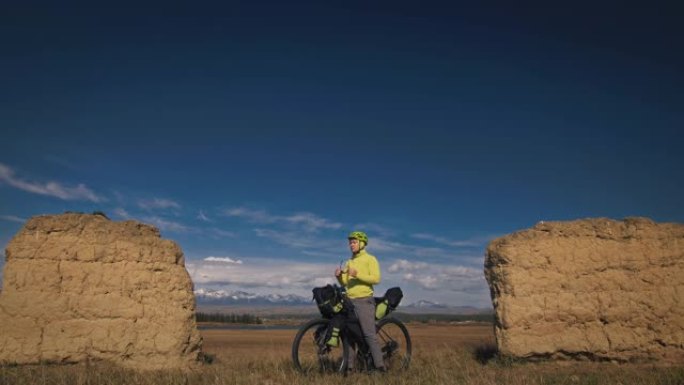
[(332, 333), (327, 300), (388, 302)]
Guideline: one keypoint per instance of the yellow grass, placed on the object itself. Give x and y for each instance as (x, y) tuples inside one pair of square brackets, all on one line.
[(443, 354)]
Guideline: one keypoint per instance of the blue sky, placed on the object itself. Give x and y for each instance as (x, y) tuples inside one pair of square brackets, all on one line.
[(264, 132)]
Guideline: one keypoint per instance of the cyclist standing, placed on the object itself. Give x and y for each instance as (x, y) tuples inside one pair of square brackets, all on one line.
[(361, 272)]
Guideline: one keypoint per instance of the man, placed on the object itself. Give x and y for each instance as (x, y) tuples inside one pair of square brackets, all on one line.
[(361, 272)]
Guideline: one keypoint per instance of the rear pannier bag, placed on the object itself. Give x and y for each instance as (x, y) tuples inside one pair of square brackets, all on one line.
[(327, 300), (387, 303)]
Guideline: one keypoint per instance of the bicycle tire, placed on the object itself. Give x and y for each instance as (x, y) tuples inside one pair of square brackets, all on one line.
[(311, 354), (395, 343)]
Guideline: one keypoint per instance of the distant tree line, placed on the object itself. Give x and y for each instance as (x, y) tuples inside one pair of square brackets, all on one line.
[(229, 318), (483, 317)]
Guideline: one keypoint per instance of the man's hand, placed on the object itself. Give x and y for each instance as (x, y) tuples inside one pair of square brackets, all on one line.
[(338, 272), (352, 272)]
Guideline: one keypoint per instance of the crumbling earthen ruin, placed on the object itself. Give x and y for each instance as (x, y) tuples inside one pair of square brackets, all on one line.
[(595, 288), (83, 288)]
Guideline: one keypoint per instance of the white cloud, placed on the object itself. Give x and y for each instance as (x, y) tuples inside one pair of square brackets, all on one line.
[(223, 260), (375, 230), (166, 225), (218, 233), (12, 218), (456, 285), (433, 277), (122, 213), (177, 227), (474, 242), (426, 281), (262, 275), (50, 188), (404, 265), (203, 217), (255, 216), (312, 222), (308, 240), (119, 197), (306, 221), (158, 203), (381, 244), (290, 239), (305, 243), (386, 246)]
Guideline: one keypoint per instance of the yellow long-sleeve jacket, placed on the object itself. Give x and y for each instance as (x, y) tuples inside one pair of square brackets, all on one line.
[(367, 275)]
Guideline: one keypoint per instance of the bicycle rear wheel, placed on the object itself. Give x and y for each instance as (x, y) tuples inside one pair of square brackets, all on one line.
[(395, 343), (311, 354)]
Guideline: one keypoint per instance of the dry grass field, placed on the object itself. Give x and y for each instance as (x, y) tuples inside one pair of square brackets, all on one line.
[(442, 354)]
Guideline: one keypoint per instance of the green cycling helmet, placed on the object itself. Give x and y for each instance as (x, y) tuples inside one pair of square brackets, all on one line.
[(359, 236)]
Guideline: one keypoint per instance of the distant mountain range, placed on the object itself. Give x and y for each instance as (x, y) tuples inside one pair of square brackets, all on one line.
[(242, 298), (423, 304), (425, 307), (237, 297)]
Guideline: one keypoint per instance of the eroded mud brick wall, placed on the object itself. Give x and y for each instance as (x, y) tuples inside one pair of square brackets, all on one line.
[(81, 287), (596, 288)]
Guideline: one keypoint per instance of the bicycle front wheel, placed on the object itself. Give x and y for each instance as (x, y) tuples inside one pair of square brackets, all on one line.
[(395, 343), (310, 352)]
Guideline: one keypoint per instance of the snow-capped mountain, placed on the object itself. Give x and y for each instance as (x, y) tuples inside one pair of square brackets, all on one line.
[(424, 306), (243, 298), (427, 304), (237, 297)]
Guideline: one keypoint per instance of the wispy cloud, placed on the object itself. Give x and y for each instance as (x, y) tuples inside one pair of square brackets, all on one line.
[(158, 203), (433, 277), (50, 188), (223, 260), (304, 220), (202, 217), (12, 218), (121, 213), (312, 222), (383, 244), (167, 225), (218, 233), (473, 242), (255, 216), (375, 230), (119, 197), (404, 265), (262, 273), (291, 239), (164, 224), (306, 243), (399, 248)]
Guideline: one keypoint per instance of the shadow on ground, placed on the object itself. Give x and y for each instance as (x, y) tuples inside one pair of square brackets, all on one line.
[(485, 353)]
